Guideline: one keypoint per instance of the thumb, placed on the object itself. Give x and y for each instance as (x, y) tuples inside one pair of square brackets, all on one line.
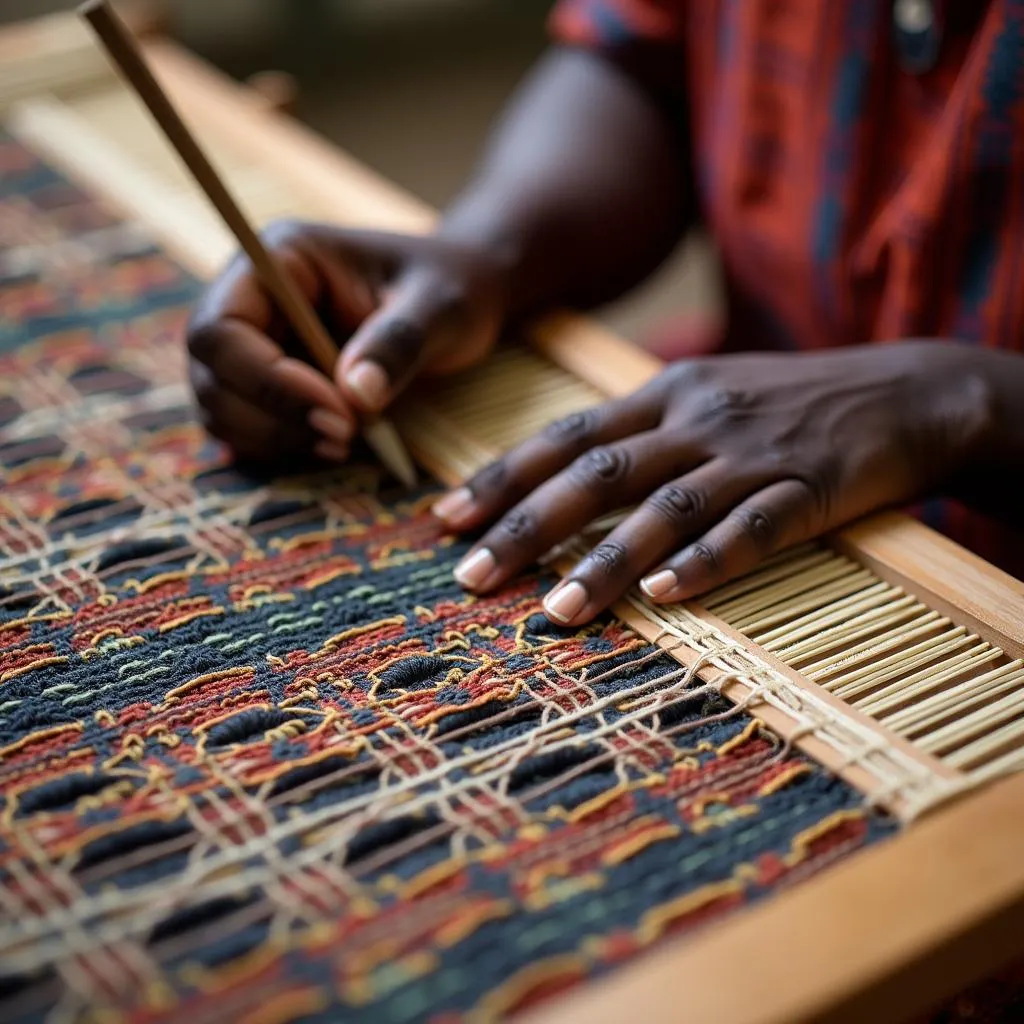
[(393, 343)]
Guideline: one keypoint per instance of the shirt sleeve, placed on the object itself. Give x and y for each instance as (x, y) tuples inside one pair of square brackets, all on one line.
[(618, 25)]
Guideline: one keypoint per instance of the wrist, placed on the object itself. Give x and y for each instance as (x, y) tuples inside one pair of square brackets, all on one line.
[(1002, 374), (514, 240), (478, 224), (988, 386)]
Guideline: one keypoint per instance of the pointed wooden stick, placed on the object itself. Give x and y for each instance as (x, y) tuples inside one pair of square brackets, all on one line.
[(126, 54)]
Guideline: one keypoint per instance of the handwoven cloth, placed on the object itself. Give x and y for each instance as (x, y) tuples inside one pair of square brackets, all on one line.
[(262, 760)]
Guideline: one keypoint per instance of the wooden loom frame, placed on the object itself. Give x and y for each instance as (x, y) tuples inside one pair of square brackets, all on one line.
[(883, 935)]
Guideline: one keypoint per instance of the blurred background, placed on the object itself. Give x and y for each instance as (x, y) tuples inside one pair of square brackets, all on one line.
[(410, 87)]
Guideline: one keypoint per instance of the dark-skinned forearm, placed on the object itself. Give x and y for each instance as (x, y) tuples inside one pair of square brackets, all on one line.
[(584, 187), (992, 482)]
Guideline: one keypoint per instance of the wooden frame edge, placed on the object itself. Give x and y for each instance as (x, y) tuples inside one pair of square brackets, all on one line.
[(62, 33), (213, 102)]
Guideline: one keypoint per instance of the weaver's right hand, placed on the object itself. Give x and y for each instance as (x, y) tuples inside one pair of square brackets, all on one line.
[(398, 306)]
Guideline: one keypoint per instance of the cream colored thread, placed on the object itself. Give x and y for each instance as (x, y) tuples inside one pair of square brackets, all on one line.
[(856, 742), (348, 817)]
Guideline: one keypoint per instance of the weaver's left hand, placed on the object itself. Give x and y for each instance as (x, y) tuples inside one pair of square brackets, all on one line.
[(730, 458)]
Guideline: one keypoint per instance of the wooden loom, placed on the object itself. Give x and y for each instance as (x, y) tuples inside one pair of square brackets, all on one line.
[(885, 652)]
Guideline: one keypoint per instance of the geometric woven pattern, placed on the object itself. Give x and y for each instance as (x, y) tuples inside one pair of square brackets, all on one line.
[(262, 759)]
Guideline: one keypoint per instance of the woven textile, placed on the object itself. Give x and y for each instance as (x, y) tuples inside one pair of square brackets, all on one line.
[(261, 759)]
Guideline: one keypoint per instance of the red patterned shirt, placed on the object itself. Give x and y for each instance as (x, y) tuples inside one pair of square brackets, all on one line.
[(854, 195)]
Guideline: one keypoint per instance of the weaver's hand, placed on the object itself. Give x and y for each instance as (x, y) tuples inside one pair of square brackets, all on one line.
[(730, 459), (400, 305)]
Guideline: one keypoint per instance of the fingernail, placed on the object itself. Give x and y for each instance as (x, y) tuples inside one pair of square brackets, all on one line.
[(330, 451), (566, 601), (336, 427), (455, 506), (659, 583), (370, 383), (475, 569)]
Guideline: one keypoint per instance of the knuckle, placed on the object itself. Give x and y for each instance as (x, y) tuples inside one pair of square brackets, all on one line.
[(519, 526), (493, 477), (678, 504), (607, 559), (757, 525), (772, 460), (449, 294), (723, 405), (398, 345), (576, 428), (705, 555), (602, 467)]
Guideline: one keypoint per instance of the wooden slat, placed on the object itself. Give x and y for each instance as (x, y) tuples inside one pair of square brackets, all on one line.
[(57, 53), (50, 55), (51, 39), (221, 109), (595, 354), (942, 575)]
